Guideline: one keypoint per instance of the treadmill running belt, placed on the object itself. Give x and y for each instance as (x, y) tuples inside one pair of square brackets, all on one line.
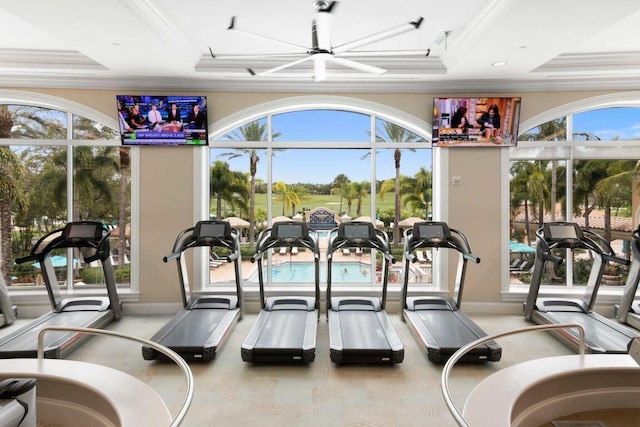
[(194, 329), (596, 332), (283, 330), (446, 328), (361, 330)]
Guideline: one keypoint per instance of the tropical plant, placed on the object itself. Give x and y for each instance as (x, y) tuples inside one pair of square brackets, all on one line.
[(254, 131), (336, 187), (390, 132), (18, 121), (228, 186)]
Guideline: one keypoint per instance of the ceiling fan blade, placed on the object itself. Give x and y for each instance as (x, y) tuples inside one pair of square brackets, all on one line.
[(384, 53), (358, 66), (261, 56), (260, 36), (282, 67), (378, 36)]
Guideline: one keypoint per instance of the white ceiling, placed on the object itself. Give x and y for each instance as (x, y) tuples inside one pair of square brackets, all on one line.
[(165, 45)]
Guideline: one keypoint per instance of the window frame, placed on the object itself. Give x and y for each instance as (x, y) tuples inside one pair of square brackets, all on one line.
[(313, 102), (567, 151), (38, 296)]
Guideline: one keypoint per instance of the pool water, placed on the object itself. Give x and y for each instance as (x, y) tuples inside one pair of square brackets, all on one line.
[(302, 272)]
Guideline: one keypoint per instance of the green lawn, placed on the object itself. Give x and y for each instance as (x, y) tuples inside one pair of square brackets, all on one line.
[(327, 201)]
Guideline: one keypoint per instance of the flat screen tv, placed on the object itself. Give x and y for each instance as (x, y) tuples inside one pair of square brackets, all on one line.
[(475, 122), (163, 120)]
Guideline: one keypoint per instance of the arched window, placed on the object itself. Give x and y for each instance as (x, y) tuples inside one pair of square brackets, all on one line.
[(580, 166), (60, 161), (349, 159)]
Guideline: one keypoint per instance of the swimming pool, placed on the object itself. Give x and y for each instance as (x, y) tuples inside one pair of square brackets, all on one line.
[(302, 272)]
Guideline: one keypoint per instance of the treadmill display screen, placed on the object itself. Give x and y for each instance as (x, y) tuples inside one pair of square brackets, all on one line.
[(562, 231), (431, 232), (288, 231), (212, 229), (357, 231), (91, 231)]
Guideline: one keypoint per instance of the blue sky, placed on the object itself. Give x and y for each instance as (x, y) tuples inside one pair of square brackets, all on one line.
[(320, 166)]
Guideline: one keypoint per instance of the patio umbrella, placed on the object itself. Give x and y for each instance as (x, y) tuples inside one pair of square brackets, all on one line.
[(237, 222), (408, 222), (377, 222), (57, 261), (280, 219), (520, 247)]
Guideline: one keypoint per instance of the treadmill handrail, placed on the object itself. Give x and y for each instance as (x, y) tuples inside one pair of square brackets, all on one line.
[(188, 375), (455, 240), (446, 371)]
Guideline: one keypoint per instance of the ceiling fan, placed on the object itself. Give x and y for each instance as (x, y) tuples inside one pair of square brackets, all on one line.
[(322, 51)]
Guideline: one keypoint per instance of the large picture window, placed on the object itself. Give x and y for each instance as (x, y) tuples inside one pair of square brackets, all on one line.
[(322, 166), (56, 167), (583, 168)]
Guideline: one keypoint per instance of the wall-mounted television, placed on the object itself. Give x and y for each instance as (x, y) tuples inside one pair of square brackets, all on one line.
[(475, 122), (163, 120)]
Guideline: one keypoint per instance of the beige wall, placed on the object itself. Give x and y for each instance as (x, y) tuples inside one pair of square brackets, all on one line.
[(167, 186)]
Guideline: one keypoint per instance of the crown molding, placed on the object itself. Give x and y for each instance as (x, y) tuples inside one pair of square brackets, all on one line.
[(40, 59)]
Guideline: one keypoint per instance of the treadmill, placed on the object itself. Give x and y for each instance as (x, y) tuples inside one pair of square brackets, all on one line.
[(437, 322), (92, 238), (360, 330), (285, 330), (201, 328), (602, 335), (8, 311), (628, 310)]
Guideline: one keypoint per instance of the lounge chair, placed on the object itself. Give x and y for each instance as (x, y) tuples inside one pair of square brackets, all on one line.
[(358, 251), (421, 257), (283, 250), (294, 250), (346, 251)]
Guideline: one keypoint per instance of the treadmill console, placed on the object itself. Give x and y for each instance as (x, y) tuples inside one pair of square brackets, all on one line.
[(357, 231), (209, 229), (434, 232), (568, 233), (289, 231), (77, 232)]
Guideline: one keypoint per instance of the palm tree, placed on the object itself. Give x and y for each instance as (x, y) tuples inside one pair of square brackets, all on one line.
[(336, 186), (280, 188), (25, 122), (347, 191), (300, 193), (227, 185), (417, 191), (528, 186), (394, 133), (615, 188), (254, 131), (587, 175), (360, 191)]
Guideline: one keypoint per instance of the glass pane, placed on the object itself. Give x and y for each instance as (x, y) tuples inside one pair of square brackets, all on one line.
[(603, 202), (404, 178), (554, 130), (322, 125), (608, 124), (102, 193), (254, 131), (84, 128), (390, 132), (236, 192), (40, 181), (535, 186), (26, 122)]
